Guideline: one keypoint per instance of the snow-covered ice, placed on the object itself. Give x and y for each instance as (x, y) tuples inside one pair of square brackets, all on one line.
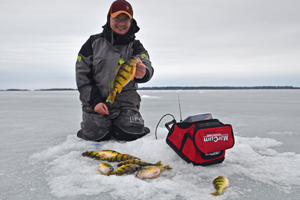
[(263, 164), (70, 174)]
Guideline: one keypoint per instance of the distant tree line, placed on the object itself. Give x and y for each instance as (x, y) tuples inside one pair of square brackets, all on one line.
[(50, 89), (16, 90), (55, 89), (216, 87)]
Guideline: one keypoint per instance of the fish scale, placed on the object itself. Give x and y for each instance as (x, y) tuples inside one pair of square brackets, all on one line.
[(125, 169), (151, 171), (108, 153), (120, 157), (91, 154), (139, 162)]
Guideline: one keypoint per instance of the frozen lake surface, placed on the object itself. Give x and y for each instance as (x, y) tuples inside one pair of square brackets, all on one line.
[(41, 155)]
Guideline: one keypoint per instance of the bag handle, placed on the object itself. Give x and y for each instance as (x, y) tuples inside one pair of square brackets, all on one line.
[(166, 125), (169, 123)]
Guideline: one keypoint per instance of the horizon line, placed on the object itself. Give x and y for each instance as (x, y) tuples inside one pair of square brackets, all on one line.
[(167, 88)]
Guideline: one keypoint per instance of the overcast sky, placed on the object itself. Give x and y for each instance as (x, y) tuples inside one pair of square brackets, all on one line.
[(191, 43)]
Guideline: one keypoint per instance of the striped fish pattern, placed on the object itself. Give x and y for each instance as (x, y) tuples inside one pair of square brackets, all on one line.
[(108, 153), (124, 73), (118, 158), (92, 154), (125, 169), (151, 171), (128, 164), (220, 184), (139, 162)]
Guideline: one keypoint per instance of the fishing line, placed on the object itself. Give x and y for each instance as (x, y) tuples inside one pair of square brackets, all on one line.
[(171, 122)]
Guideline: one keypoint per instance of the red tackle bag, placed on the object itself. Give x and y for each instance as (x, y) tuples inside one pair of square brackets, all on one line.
[(202, 142)]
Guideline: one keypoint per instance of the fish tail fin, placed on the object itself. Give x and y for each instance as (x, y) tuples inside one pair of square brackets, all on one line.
[(215, 194), (167, 167), (85, 153), (158, 163), (111, 98)]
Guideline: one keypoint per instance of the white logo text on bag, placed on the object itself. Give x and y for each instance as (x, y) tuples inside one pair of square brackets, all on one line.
[(215, 137), (213, 153)]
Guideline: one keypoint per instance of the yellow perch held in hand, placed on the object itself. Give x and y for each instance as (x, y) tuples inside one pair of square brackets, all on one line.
[(124, 73)]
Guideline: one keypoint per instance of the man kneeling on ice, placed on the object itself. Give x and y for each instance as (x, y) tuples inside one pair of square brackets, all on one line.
[(108, 69)]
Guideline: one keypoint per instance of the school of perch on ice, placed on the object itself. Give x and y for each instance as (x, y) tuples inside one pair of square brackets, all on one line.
[(145, 170)]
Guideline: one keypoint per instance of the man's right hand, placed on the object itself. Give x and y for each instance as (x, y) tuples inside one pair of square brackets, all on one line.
[(101, 109)]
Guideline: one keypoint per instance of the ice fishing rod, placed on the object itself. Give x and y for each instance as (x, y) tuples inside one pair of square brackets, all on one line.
[(171, 122), (179, 108)]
